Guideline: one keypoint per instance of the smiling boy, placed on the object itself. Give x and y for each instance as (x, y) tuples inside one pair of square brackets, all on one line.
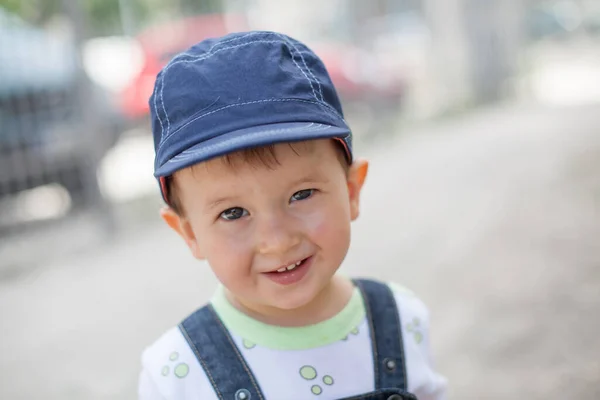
[(255, 163)]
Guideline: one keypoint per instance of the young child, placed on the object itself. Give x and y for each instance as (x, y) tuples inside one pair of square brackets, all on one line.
[(255, 164)]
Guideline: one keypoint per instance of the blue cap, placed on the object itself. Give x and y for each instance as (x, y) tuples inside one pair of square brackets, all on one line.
[(239, 91)]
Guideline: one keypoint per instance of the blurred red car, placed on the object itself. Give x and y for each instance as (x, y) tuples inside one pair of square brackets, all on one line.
[(357, 76)]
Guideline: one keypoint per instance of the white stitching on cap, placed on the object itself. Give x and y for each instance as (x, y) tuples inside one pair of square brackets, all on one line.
[(162, 128), (237, 105), (232, 40), (209, 55), (289, 45), (311, 74), (303, 73), (186, 154), (162, 102), (305, 65), (182, 55)]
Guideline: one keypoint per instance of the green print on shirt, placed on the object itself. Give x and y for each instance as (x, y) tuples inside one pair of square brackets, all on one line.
[(415, 330), (181, 370), (354, 331), (248, 344), (310, 373)]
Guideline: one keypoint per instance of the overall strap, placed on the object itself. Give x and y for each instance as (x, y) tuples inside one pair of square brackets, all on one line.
[(386, 334), (218, 355)]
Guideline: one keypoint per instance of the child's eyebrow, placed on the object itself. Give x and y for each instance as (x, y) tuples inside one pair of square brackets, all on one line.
[(218, 201), (312, 177)]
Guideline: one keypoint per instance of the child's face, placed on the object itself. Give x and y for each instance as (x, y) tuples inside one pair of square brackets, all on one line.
[(249, 221)]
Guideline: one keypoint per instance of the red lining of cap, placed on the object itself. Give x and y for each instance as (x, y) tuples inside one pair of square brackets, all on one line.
[(163, 188), (348, 155)]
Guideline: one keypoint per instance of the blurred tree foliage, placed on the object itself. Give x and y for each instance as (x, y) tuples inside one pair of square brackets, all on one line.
[(105, 17)]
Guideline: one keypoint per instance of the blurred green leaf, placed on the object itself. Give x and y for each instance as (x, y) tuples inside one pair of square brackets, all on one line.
[(106, 17)]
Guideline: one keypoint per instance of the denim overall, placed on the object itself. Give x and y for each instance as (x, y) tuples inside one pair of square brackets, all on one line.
[(232, 379)]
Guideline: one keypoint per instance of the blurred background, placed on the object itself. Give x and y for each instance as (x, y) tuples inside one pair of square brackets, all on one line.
[(481, 119)]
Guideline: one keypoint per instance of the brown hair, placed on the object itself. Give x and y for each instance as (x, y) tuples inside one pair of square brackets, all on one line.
[(263, 156)]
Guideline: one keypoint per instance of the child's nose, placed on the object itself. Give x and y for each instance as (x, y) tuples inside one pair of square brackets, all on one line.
[(277, 236)]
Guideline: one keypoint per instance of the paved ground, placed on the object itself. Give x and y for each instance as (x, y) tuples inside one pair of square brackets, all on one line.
[(492, 218)]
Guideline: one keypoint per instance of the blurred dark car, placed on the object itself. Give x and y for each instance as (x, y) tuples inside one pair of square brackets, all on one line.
[(41, 115), (356, 76)]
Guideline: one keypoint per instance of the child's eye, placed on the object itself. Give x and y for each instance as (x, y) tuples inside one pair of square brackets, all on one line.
[(302, 194), (233, 213)]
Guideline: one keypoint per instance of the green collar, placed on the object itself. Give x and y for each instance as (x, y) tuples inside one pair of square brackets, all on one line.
[(289, 338)]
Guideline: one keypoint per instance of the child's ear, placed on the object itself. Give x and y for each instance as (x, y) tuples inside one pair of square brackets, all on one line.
[(182, 226), (356, 179)]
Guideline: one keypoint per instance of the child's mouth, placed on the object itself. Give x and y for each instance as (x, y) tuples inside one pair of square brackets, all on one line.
[(291, 273)]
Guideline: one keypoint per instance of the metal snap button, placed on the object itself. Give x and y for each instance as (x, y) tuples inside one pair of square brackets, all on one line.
[(395, 397), (390, 364), (242, 394)]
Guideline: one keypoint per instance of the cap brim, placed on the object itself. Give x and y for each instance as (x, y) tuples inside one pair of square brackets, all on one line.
[(252, 137)]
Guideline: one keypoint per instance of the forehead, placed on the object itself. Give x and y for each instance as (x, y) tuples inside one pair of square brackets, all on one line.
[(269, 157), (298, 156)]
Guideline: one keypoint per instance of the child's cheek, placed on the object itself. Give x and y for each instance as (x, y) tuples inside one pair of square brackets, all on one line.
[(231, 246), (319, 223)]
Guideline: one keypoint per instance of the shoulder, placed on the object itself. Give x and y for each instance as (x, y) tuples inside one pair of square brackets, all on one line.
[(170, 370), (423, 379), (170, 347), (414, 321), (411, 308)]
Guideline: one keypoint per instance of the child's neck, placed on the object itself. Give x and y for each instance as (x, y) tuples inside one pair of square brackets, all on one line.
[(330, 301)]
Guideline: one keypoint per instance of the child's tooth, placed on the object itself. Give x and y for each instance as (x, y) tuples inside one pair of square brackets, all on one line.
[(298, 263), (282, 269), (291, 267)]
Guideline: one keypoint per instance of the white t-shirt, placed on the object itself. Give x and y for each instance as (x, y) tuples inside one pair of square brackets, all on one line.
[(328, 360)]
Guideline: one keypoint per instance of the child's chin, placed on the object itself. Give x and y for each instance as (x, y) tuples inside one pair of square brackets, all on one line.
[(293, 302), (290, 306)]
